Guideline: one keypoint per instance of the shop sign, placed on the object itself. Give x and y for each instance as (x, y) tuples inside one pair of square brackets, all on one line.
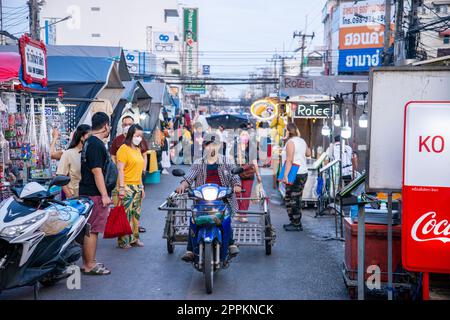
[(190, 26), (312, 110), (297, 83), (34, 60), (360, 38), (264, 110), (426, 187), (364, 13), (163, 42), (359, 60), (199, 88)]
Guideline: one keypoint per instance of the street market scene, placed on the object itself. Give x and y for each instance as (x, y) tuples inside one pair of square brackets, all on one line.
[(225, 150)]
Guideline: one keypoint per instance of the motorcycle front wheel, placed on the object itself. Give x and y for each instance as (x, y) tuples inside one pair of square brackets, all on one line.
[(209, 267)]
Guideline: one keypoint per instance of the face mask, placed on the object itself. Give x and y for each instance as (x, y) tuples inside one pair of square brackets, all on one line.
[(137, 140)]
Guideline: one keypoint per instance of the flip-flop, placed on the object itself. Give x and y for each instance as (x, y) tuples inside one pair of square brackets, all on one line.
[(138, 243), (142, 230), (98, 270)]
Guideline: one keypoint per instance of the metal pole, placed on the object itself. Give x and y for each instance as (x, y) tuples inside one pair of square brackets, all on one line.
[(389, 217), (387, 31), (399, 37), (426, 286), (361, 253)]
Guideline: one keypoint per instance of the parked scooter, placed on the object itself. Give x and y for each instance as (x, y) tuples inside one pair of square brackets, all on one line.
[(210, 227), (38, 235)]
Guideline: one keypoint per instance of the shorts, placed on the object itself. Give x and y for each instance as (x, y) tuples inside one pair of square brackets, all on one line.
[(99, 215)]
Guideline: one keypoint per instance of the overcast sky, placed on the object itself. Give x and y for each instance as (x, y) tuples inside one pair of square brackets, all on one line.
[(252, 29)]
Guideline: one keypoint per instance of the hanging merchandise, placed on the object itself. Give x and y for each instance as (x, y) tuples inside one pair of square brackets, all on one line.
[(9, 99), (43, 147), (32, 136)]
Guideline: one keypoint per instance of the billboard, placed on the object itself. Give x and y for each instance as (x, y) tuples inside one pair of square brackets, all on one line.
[(140, 62), (361, 35)]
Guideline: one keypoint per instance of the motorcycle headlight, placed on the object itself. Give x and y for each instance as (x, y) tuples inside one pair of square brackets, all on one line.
[(198, 194), (210, 193), (222, 194), (17, 230)]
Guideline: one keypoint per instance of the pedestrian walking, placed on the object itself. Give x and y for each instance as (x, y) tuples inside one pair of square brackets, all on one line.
[(70, 162), (93, 184), (130, 163), (165, 152), (295, 152), (187, 145), (247, 160)]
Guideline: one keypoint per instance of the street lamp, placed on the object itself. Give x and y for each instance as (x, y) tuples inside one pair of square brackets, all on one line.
[(326, 131), (337, 120), (346, 131), (363, 121)]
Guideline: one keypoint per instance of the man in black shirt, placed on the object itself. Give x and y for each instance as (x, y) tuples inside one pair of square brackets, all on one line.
[(93, 185)]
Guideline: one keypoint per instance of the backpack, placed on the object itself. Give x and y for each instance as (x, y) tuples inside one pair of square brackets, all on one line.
[(110, 173)]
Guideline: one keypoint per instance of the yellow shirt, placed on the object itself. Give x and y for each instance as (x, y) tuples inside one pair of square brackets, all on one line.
[(134, 164)]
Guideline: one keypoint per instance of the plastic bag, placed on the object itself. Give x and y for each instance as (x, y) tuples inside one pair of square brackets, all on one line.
[(117, 224), (258, 192)]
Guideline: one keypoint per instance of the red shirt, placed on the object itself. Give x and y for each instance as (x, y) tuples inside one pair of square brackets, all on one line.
[(212, 174), (120, 140)]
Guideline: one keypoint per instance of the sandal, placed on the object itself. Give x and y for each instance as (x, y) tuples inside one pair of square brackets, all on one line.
[(138, 243), (124, 247), (98, 270)]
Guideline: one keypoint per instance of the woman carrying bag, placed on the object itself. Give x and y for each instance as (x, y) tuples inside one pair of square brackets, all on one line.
[(131, 165), (294, 175), (250, 166)]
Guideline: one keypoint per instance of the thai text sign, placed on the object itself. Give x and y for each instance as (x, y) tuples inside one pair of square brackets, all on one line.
[(426, 187), (360, 38), (34, 60), (357, 60), (190, 23)]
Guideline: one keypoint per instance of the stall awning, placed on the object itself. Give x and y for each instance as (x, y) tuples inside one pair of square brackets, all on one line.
[(9, 66)]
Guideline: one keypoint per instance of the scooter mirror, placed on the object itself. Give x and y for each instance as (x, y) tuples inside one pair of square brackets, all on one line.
[(60, 181), (178, 173)]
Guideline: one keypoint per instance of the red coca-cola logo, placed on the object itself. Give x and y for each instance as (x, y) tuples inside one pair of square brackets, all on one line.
[(429, 228)]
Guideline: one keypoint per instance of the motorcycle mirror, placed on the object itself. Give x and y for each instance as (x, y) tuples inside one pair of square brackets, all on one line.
[(59, 181), (237, 170), (178, 173)]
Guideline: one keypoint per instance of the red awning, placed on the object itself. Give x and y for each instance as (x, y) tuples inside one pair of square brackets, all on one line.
[(445, 33), (9, 66)]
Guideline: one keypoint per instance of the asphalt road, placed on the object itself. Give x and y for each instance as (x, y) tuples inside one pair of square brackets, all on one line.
[(302, 265)]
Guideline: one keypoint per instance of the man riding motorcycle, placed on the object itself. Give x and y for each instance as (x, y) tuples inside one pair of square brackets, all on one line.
[(212, 168)]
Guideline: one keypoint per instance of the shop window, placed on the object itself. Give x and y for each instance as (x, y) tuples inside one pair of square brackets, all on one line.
[(447, 40), (96, 35), (95, 8), (444, 8)]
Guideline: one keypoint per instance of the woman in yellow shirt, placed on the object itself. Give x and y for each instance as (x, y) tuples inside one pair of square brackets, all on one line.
[(131, 165)]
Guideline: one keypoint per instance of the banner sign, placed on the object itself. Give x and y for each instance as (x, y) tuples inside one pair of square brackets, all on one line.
[(190, 26), (34, 60), (199, 88), (426, 187), (163, 42), (359, 60), (312, 110), (364, 13)]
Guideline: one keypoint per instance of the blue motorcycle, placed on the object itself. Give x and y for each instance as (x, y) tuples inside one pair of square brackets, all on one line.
[(210, 227)]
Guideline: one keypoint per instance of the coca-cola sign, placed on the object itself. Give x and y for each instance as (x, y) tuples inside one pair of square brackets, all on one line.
[(429, 228), (426, 187)]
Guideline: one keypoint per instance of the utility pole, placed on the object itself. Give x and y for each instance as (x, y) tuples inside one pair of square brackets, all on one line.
[(399, 38), (2, 39), (387, 32), (34, 8), (411, 39), (303, 37)]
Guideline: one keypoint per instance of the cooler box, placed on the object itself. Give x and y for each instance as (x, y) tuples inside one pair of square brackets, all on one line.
[(376, 246)]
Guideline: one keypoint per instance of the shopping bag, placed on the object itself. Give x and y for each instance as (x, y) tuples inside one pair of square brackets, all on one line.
[(117, 224)]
